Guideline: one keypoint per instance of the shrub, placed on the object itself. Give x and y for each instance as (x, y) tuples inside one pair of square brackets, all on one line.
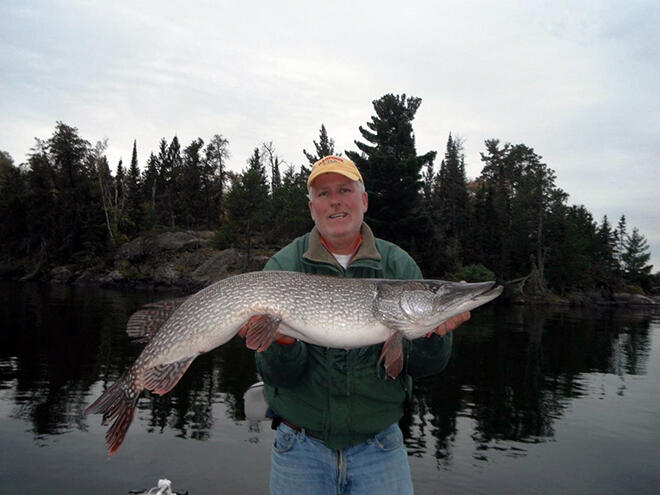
[(473, 273)]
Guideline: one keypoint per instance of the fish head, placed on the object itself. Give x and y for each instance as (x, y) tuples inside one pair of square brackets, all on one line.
[(418, 306)]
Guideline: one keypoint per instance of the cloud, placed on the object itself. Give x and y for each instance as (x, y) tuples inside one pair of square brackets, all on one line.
[(577, 81)]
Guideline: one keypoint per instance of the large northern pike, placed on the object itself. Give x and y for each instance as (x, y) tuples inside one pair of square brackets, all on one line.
[(326, 311)]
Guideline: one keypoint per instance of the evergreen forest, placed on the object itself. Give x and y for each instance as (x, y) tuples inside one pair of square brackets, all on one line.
[(66, 206)]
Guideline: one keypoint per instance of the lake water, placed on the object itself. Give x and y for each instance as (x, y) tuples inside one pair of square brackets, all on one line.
[(535, 400)]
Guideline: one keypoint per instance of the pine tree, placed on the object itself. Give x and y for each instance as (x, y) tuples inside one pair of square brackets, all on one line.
[(173, 180), (521, 193), (621, 236), (170, 172), (191, 202), (133, 194), (247, 205), (289, 204), (635, 259), (268, 152), (428, 178), (106, 188), (41, 203), (605, 263), (392, 170), (499, 177), (119, 199), (77, 217), (150, 182), (161, 203), (572, 234), (535, 197), (6, 163), (215, 155), (450, 201), (13, 197), (325, 147)]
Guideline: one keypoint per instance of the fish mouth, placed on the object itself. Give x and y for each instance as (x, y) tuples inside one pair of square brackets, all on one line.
[(489, 293), (473, 295)]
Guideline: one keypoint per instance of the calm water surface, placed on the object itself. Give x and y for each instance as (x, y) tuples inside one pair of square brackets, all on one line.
[(533, 401)]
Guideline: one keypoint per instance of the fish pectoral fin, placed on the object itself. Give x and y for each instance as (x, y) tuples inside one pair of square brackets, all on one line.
[(260, 331), (146, 321), (162, 378), (392, 354)]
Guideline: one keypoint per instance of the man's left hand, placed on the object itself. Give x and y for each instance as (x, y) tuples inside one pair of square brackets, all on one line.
[(452, 323)]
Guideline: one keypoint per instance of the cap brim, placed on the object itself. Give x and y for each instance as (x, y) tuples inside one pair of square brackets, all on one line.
[(312, 177)]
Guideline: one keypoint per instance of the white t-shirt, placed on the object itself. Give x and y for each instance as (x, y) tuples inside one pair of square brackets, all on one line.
[(343, 259)]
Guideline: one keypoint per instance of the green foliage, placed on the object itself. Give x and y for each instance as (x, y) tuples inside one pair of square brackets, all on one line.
[(392, 171), (447, 211), (65, 205), (605, 260), (213, 178), (12, 205), (190, 198), (635, 260), (572, 235), (516, 198), (473, 273), (655, 281), (247, 204), (633, 289), (6, 163), (133, 190), (325, 147), (289, 209)]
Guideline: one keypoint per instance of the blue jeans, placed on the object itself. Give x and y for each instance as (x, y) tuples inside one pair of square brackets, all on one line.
[(303, 465)]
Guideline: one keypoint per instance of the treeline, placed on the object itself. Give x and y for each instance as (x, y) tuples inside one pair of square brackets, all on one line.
[(512, 222)]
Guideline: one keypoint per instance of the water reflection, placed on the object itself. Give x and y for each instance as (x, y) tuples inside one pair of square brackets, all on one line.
[(515, 379), (221, 376), (513, 374)]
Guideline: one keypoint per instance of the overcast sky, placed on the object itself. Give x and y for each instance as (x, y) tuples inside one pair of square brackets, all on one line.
[(578, 81)]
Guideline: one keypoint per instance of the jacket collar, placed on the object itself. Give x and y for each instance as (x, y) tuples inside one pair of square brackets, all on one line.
[(318, 253)]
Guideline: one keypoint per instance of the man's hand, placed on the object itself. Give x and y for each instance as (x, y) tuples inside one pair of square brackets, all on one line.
[(452, 323), (284, 339)]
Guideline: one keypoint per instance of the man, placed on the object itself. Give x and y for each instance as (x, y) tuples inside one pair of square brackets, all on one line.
[(336, 409)]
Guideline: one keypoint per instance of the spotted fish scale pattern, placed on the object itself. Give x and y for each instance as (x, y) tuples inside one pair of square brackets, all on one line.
[(327, 311)]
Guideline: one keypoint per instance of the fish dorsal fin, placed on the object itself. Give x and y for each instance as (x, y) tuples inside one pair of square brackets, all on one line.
[(146, 321)]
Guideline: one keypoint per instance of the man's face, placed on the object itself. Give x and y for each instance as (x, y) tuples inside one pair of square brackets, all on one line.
[(337, 206)]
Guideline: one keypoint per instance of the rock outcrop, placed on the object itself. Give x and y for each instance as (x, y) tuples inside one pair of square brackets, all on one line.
[(184, 261)]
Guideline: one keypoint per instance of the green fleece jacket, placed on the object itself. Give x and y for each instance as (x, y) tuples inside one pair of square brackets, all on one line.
[(343, 396)]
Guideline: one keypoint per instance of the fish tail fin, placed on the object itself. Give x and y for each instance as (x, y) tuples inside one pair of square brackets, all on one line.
[(118, 404), (392, 354)]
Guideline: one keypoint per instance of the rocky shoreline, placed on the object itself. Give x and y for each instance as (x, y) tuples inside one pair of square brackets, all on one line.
[(592, 298), (185, 261)]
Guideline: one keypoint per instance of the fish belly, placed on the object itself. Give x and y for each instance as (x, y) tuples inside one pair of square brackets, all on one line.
[(338, 335)]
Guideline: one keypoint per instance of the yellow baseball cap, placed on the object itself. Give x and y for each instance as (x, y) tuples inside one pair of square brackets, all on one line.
[(335, 164)]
